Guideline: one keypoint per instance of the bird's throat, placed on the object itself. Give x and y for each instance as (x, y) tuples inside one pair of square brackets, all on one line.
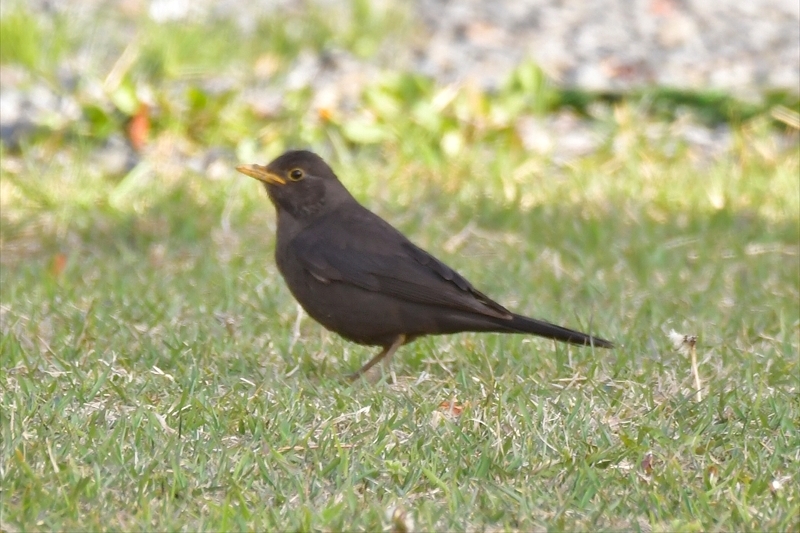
[(298, 206)]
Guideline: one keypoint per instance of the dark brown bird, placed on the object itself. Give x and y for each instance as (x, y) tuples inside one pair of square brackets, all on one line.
[(358, 276)]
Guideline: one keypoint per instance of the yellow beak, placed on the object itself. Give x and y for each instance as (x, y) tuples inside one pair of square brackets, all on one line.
[(261, 174)]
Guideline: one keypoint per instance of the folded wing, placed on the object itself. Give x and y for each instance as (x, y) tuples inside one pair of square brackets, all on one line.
[(387, 262)]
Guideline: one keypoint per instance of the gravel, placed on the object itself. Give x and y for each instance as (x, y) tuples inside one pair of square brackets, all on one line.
[(612, 45), (738, 46)]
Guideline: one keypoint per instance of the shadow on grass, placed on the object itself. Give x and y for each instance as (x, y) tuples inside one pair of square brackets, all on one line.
[(628, 272), (181, 219)]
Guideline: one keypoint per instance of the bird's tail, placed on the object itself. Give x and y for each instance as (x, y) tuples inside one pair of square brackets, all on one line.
[(523, 324)]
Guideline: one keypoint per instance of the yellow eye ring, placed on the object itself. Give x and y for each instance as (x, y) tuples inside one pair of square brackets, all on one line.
[(296, 174)]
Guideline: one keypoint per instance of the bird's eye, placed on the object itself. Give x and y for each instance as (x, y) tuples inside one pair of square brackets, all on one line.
[(296, 174)]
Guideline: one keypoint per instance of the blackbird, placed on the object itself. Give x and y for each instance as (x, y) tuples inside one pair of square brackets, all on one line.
[(358, 276)]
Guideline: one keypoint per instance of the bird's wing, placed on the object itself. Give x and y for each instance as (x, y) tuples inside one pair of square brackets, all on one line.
[(367, 252)]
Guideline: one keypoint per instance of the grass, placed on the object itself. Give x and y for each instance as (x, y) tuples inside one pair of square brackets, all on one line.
[(150, 379)]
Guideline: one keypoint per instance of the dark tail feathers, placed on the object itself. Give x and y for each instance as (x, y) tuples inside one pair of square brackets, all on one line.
[(523, 324)]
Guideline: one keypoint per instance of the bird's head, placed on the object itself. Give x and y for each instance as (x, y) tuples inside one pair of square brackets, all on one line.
[(299, 183)]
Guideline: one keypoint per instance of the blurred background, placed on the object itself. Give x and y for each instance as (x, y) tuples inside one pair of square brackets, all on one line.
[(116, 76)]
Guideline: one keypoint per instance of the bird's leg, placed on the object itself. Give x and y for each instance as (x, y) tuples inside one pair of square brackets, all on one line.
[(387, 354)]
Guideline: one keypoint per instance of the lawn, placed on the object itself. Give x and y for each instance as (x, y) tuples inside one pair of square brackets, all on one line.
[(154, 375)]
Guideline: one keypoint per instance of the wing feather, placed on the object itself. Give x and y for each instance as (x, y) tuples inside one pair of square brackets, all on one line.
[(367, 252)]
